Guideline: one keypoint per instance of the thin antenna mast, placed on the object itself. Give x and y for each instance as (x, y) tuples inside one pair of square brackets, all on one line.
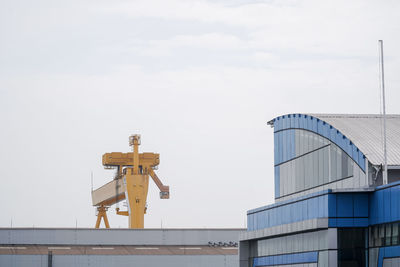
[(385, 174)]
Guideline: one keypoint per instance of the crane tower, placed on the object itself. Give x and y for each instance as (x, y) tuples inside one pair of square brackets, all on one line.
[(131, 183)]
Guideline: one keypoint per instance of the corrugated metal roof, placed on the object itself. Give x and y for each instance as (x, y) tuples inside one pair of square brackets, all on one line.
[(366, 132)]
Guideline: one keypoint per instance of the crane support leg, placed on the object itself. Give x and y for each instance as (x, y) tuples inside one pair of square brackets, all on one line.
[(102, 213), (136, 193)]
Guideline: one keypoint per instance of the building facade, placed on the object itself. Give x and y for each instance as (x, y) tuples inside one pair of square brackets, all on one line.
[(331, 207), (57, 247)]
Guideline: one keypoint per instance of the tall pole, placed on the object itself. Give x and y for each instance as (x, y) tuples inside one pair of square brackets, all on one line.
[(385, 173)]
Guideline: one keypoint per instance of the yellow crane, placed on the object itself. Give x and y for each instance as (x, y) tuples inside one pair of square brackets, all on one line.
[(130, 183)]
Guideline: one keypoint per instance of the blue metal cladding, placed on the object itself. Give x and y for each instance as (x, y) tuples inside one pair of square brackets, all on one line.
[(388, 252), (298, 209), (342, 209), (348, 210), (384, 204), (295, 258), (306, 122)]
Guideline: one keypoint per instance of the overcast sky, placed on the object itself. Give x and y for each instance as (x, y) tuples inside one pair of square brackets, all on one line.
[(197, 79)]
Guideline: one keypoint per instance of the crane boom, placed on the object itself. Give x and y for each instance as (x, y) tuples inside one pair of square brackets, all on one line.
[(164, 189)]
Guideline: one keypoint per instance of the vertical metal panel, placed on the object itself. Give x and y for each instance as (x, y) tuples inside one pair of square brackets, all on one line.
[(381, 206), (344, 205), (386, 199), (277, 181), (360, 205)]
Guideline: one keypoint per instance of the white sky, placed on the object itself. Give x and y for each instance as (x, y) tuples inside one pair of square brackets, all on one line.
[(198, 79)]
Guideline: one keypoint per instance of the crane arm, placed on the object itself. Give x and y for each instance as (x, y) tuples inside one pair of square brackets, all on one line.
[(125, 213), (164, 189)]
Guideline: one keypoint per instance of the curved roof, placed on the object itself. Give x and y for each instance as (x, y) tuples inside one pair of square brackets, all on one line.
[(365, 131)]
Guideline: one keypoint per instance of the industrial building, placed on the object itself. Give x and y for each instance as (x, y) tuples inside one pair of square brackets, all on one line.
[(333, 206), (51, 247)]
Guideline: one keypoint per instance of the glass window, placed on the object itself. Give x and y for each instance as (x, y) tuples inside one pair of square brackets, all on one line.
[(351, 247), (381, 235), (375, 230), (388, 234), (395, 234)]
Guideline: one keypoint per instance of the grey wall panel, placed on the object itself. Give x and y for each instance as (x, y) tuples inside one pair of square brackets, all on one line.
[(120, 261), (146, 261), (373, 257), (332, 254), (23, 261), (117, 236), (296, 265), (323, 259), (310, 241), (393, 262)]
